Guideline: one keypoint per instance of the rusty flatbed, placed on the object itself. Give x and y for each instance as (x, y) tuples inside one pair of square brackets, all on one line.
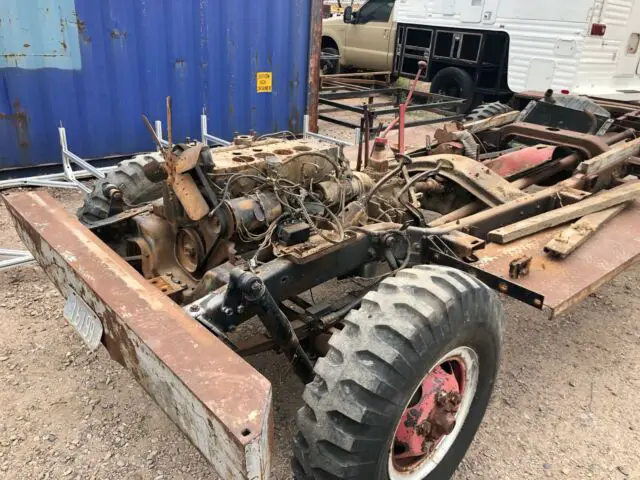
[(565, 282), (218, 400)]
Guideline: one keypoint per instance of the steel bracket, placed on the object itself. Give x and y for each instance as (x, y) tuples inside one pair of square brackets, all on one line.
[(433, 252), (207, 137), (306, 133), (16, 257), (68, 178)]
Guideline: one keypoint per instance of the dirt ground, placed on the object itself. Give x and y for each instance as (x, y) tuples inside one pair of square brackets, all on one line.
[(565, 405)]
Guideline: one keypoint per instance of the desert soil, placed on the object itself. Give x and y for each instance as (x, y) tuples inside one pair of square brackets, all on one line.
[(565, 405)]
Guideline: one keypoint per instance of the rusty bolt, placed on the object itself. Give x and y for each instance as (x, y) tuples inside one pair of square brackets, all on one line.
[(256, 286), (194, 308), (389, 241), (427, 445), (424, 428)]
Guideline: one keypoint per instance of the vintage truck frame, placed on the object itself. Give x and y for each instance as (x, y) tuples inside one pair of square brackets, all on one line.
[(220, 402)]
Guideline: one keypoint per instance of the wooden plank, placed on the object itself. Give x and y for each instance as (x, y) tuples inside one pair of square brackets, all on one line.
[(568, 240), (572, 195), (487, 123), (617, 154), (596, 203)]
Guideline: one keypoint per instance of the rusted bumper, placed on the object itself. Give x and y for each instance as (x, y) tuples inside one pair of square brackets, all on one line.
[(217, 399)]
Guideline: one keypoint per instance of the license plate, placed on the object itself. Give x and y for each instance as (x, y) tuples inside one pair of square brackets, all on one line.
[(83, 319)]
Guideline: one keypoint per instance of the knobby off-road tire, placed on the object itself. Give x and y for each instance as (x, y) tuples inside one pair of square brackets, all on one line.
[(487, 110), (130, 179), (377, 365)]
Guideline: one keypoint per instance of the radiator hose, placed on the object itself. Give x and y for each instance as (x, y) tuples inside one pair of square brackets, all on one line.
[(469, 143)]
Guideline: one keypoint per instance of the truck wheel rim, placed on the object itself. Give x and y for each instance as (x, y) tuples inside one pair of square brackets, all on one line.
[(433, 418)]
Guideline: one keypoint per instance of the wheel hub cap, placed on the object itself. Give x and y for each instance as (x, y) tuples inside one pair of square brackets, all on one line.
[(430, 416)]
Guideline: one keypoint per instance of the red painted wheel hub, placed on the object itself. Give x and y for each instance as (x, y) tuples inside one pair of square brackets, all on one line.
[(431, 414)]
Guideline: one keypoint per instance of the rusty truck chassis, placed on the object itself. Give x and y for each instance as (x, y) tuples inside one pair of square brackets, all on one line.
[(198, 378)]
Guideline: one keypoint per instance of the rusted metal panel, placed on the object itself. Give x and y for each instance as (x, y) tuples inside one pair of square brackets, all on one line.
[(96, 66), (514, 163), (473, 176), (218, 400), (565, 282), (315, 49), (590, 145)]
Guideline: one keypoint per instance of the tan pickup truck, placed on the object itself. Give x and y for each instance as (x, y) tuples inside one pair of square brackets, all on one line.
[(362, 38)]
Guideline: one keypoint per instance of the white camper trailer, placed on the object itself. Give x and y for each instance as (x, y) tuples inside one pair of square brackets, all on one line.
[(481, 49)]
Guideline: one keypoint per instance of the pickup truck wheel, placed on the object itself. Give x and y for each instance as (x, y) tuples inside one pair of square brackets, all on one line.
[(329, 67), (455, 82), (405, 384), (129, 179)]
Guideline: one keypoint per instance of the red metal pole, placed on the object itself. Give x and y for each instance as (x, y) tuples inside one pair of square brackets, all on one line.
[(422, 66), (403, 111)]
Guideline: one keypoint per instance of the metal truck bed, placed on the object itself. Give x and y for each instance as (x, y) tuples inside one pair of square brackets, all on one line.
[(221, 403), (564, 282)]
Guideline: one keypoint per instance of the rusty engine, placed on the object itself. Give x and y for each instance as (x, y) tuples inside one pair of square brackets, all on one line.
[(242, 205)]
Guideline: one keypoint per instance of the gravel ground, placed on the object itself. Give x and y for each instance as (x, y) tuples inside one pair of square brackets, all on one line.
[(564, 406)]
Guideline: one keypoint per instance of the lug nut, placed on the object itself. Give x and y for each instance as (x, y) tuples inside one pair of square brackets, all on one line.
[(424, 428)]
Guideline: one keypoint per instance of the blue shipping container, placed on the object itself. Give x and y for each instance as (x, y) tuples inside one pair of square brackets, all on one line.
[(97, 65)]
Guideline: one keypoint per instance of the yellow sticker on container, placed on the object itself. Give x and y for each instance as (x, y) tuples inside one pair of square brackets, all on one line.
[(264, 82)]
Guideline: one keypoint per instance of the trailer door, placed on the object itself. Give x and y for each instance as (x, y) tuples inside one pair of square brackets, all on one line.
[(472, 11), (476, 11), (622, 20)]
